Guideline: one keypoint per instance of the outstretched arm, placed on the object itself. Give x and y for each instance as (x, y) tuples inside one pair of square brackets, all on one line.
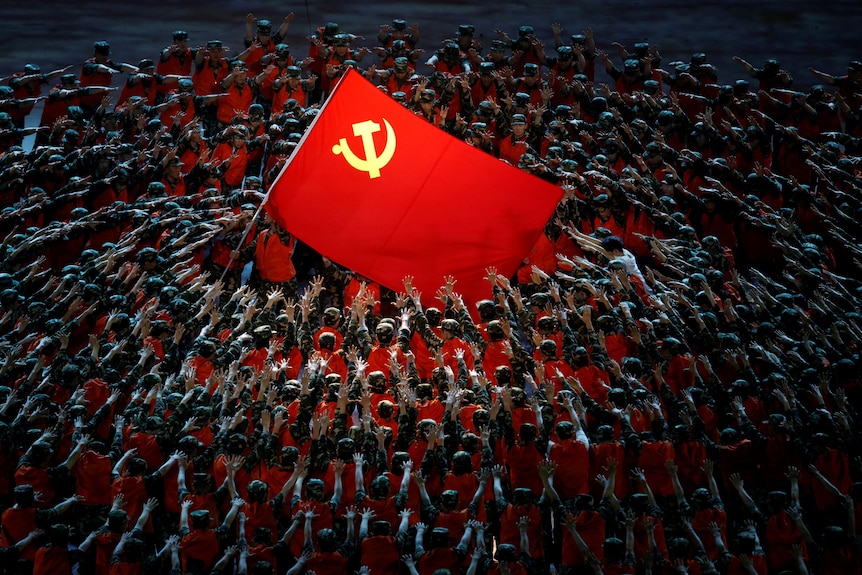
[(747, 501), (670, 465), (709, 471), (641, 479)]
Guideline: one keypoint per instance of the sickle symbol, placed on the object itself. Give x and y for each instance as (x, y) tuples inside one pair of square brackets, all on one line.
[(372, 162)]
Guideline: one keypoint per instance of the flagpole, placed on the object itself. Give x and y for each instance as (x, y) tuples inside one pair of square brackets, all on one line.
[(244, 235), (269, 191), (305, 136)]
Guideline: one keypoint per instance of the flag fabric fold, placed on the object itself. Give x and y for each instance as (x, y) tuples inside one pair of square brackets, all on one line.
[(383, 192)]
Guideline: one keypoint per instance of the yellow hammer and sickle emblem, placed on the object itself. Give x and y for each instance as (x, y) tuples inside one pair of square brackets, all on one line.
[(372, 162)]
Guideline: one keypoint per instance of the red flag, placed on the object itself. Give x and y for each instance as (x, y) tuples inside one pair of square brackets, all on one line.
[(383, 192)]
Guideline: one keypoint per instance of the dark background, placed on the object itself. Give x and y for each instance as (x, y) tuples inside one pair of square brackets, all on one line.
[(55, 33)]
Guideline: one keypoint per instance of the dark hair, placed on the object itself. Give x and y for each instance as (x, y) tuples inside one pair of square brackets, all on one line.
[(612, 243)]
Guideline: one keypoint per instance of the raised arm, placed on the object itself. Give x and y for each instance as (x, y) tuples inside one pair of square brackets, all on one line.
[(709, 471), (419, 543), (738, 484), (184, 514), (299, 566), (338, 489), (670, 465), (146, 511), (483, 476), (299, 472), (230, 517), (641, 479), (546, 472)]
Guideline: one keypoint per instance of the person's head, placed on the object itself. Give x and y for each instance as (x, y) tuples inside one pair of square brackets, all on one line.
[(449, 500), (519, 396), (506, 552), (522, 496), (605, 433), (701, 498), (380, 529), (745, 542), (487, 310), (495, 330), (264, 31), (439, 538), (519, 125), (257, 491), (678, 548), (341, 43), (427, 426), (639, 503), (771, 67), (180, 38), (332, 382), (118, 520), (282, 57), (203, 483), (327, 341), (670, 347), (450, 328), (548, 348), (776, 501), (236, 444), (546, 325), (531, 73), (380, 487), (728, 436), (613, 245), (580, 357), (68, 81), (136, 467), (24, 496), (377, 382), (314, 489), (262, 536), (834, 536), (465, 36), (462, 463), (427, 98), (434, 316), (289, 456), (385, 411), (602, 204), (384, 331), (498, 50), (565, 430), (469, 441), (424, 392), (653, 152), (631, 68), (200, 519), (239, 132), (255, 116), (481, 418), (327, 540), (527, 432), (614, 549), (345, 448), (681, 433), (101, 51), (399, 458), (58, 535), (451, 53), (503, 374), (262, 335)]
